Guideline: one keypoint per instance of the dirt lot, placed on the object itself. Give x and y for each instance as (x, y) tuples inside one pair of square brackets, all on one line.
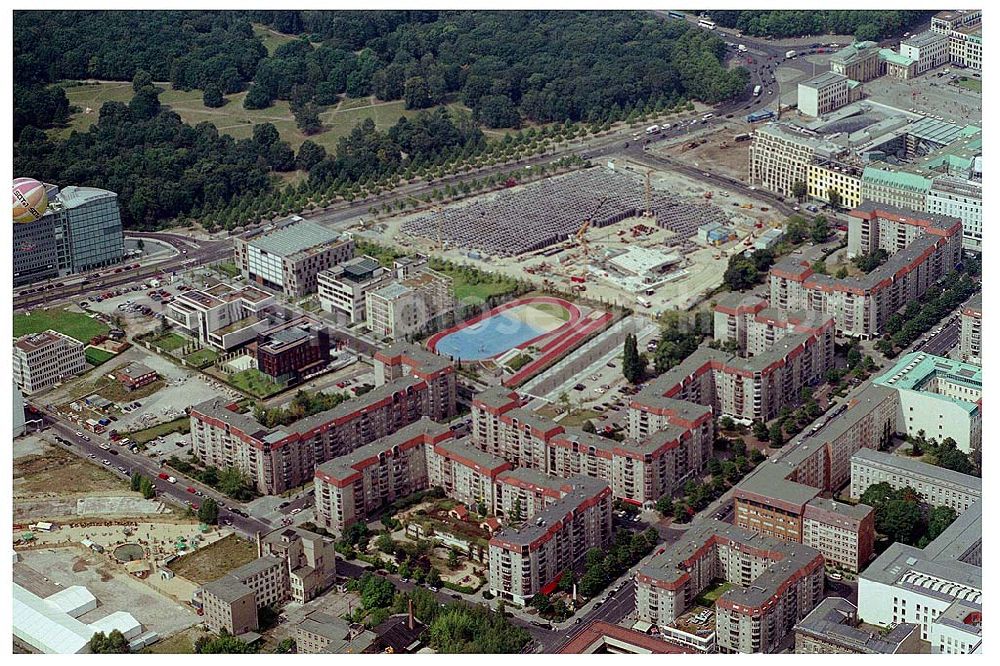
[(180, 643), (115, 590), (56, 473), (725, 155), (211, 562)]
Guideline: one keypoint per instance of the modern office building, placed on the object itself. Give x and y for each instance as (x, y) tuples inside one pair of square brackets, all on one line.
[(780, 156), (827, 92), (961, 198), (937, 486), (411, 384), (971, 339), (774, 585), (939, 397), (405, 308), (833, 628), (530, 559), (287, 257), (938, 588), (929, 49), (291, 350), (858, 61), (81, 230), (47, 358), (220, 316), (923, 248), (343, 288)]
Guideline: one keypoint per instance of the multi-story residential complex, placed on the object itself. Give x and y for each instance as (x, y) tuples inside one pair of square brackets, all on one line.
[(746, 322), (47, 358), (780, 498), (939, 397), (775, 584), (929, 49), (858, 61), (220, 316), (780, 156), (971, 337), (80, 230), (411, 383), (466, 473), (749, 388), (311, 560), (321, 633), (351, 487), (293, 349), (288, 257), (827, 92), (833, 628), (938, 588), (961, 198), (523, 492), (826, 176), (965, 46), (231, 603), (923, 248), (668, 443), (937, 486), (406, 307), (343, 288), (524, 561)]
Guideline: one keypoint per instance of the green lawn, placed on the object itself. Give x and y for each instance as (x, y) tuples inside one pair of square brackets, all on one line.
[(254, 382), (975, 85), (519, 362), (182, 425), (74, 324), (711, 594), (579, 417), (552, 309), (97, 356), (270, 38), (227, 268), (169, 342), (202, 358)]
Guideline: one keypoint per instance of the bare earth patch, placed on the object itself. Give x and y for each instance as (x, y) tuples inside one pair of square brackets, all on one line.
[(212, 562), (57, 473)]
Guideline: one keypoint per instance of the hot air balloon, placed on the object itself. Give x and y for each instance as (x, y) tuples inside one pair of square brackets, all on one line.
[(30, 200)]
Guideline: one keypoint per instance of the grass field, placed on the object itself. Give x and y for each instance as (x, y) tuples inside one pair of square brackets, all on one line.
[(97, 356), (711, 595), (169, 342), (180, 643), (227, 268), (206, 564), (270, 38), (975, 85), (254, 382), (551, 308), (181, 425), (74, 324), (232, 118), (57, 472), (202, 358)]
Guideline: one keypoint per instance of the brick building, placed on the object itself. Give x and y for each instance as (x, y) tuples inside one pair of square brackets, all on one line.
[(135, 375), (286, 353)]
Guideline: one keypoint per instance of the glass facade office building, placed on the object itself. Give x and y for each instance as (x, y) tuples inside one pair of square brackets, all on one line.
[(80, 231)]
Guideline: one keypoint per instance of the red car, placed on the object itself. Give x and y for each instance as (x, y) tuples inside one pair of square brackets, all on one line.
[(190, 490), (164, 475)]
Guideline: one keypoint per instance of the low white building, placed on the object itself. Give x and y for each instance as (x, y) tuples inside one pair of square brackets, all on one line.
[(937, 486), (343, 288), (50, 624)]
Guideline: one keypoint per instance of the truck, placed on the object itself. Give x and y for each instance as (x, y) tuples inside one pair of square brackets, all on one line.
[(643, 302), (171, 479), (653, 129), (745, 136), (790, 54), (756, 91)]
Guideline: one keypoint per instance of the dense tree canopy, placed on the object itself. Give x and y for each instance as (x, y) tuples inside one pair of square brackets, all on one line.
[(864, 24)]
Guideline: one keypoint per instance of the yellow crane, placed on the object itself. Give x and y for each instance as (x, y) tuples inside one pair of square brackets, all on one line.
[(580, 235)]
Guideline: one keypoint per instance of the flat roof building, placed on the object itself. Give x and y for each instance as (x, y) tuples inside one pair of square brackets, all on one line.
[(343, 288), (937, 486), (833, 628), (44, 359), (971, 338)]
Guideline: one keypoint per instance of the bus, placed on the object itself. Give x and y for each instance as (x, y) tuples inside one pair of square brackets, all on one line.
[(675, 15), (705, 23)]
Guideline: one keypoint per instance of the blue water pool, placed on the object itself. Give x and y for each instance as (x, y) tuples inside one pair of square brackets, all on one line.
[(487, 338)]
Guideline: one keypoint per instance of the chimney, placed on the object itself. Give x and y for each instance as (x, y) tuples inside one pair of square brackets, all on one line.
[(410, 615), (260, 545)]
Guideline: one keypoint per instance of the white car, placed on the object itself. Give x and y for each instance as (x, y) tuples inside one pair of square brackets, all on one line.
[(295, 511)]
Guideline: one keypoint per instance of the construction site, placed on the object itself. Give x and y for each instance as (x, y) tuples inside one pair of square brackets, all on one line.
[(621, 232)]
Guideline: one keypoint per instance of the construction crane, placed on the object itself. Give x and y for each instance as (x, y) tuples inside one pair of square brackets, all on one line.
[(648, 212), (439, 210), (580, 235)]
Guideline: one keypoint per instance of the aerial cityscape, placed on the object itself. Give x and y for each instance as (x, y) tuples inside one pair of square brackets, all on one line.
[(520, 332)]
